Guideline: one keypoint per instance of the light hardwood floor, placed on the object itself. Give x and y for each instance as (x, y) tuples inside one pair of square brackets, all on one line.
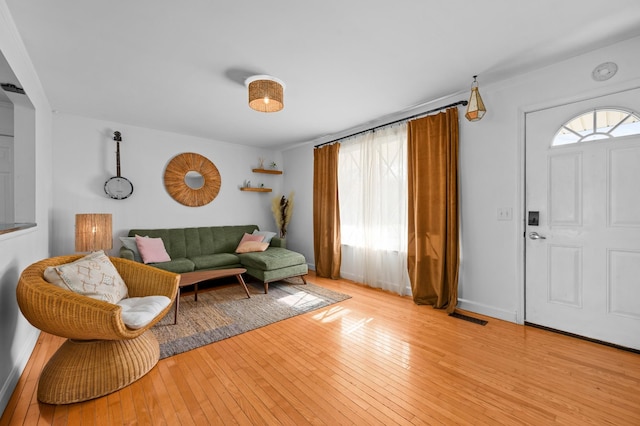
[(373, 359)]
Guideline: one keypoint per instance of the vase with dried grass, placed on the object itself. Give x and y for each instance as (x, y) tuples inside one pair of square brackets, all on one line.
[(282, 208)]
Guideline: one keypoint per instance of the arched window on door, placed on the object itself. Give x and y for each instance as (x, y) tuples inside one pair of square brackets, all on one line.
[(603, 123)]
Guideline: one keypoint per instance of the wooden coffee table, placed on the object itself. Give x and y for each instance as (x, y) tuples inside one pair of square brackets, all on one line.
[(196, 277)]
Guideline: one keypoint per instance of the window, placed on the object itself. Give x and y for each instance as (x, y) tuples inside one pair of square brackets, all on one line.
[(605, 123), (372, 187), (372, 182)]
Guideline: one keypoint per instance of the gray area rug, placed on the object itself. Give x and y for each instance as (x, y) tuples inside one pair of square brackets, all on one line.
[(226, 311)]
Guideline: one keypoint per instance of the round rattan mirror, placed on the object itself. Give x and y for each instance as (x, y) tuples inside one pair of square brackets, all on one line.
[(179, 174)]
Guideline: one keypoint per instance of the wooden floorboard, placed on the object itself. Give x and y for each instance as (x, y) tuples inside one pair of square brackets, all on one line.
[(375, 359)]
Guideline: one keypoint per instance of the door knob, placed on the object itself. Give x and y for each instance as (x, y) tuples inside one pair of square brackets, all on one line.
[(536, 236)]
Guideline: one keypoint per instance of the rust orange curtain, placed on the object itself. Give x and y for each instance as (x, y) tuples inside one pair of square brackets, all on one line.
[(433, 252), (326, 212)]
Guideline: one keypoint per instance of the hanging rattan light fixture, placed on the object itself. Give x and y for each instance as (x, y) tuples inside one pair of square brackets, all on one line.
[(475, 108), (266, 93)]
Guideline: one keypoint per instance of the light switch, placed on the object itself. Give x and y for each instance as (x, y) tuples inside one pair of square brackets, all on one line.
[(505, 213)]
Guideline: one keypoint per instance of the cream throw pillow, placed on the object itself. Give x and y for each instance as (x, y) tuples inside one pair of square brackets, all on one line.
[(268, 235), (130, 243), (93, 276)]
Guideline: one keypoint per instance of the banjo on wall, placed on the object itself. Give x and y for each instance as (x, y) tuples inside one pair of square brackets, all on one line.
[(118, 187)]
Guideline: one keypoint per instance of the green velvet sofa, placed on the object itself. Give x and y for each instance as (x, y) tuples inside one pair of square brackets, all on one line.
[(213, 247)]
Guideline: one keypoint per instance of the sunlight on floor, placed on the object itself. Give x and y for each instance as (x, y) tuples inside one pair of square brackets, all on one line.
[(300, 300), (332, 314), (354, 326), (383, 341)]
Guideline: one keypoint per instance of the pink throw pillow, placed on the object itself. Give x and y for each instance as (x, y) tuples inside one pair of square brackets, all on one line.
[(152, 249), (249, 237), (251, 246)]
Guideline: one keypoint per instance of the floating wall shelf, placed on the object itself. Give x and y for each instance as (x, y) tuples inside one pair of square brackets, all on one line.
[(268, 171), (261, 189), (256, 189)]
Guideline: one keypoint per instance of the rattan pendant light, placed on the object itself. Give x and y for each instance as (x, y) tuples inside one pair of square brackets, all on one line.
[(266, 93)]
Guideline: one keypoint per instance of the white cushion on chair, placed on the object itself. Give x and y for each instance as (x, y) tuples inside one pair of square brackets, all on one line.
[(139, 311)]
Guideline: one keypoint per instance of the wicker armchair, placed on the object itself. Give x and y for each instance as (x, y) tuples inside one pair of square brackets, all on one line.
[(101, 354)]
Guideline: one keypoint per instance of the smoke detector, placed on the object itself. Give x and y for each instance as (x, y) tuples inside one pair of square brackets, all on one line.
[(604, 71)]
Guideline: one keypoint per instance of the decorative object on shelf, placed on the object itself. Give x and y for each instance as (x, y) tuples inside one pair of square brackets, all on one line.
[(93, 232), (260, 163), (118, 187), (475, 107), (246, 186), (282, 209), (266, 93), (274, 165), (192, 180)]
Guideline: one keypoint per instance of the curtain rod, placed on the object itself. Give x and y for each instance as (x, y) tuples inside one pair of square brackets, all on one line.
[(463, 103)]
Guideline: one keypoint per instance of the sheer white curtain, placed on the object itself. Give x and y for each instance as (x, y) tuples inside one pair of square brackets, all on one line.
[(372, 189)]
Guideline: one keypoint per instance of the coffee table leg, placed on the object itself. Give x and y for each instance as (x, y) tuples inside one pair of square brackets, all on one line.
[(175, 314), (241, 281)]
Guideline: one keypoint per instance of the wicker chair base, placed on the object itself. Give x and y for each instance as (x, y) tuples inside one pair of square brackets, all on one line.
[(82, 370)]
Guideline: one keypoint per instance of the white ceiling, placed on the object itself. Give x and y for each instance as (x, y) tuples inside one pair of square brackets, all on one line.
[(179, 66)]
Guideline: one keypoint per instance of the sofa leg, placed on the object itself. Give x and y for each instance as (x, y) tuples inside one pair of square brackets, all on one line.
[(266, 285)]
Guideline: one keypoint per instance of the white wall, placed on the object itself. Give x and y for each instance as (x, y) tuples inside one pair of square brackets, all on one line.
[(24, 202), (298, 177), (19, 249), (85, 157), (491, 173), (6, 118), (7, 211)]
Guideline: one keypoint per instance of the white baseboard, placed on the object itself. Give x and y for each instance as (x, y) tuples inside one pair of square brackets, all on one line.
[(489, 311), (29, 342), (466, 305)]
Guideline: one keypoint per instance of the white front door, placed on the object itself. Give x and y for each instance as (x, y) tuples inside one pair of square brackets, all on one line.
[(583, 262)]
